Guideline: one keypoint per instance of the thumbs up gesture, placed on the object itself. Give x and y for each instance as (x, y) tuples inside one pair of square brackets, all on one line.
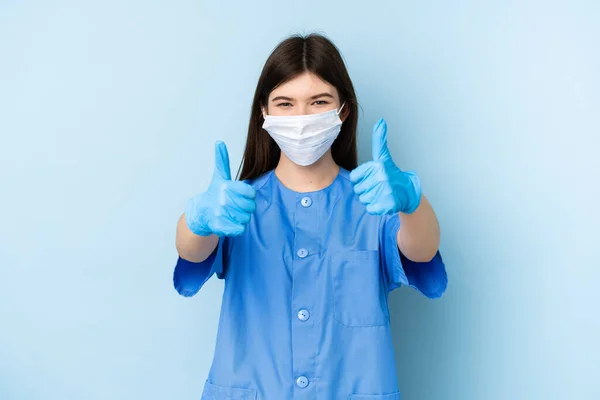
[(381, 185), (226, 207)]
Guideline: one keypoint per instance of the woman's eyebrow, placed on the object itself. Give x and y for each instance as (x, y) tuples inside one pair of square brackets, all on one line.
[(285, 98), (321, 95), (282, 98)]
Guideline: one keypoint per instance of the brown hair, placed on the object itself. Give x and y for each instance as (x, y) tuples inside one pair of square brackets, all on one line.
[(295, 55)]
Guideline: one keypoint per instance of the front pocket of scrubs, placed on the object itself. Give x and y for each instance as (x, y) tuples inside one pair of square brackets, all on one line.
[(393, 396), (359, 298), (216, 392)]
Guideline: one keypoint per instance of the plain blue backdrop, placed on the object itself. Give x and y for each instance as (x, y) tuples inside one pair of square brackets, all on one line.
[(108, 115)]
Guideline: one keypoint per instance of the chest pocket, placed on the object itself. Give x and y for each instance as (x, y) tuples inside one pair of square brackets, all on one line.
[(359, 296), (215, 392)]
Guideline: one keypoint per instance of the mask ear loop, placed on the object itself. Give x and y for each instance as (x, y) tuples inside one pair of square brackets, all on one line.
[(340, 110)]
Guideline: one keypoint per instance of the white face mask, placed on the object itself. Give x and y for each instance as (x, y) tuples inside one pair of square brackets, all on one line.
[(304, 138)]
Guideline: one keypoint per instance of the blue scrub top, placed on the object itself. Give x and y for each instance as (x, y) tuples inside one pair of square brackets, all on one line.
[(304, 312)]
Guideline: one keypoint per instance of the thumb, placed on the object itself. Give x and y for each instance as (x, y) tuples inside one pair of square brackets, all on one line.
[(222, 161), (380, 148)]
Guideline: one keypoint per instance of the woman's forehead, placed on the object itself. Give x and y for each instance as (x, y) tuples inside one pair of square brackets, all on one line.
[(302, 87)]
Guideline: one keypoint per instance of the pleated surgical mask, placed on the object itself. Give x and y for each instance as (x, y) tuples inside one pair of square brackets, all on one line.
[(304, 138)]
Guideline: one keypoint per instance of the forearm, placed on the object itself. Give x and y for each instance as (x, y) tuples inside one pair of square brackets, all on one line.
[(419, 235), (193, 247)]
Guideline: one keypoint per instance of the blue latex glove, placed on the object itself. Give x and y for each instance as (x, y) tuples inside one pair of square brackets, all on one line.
[(226, 207), (381, 185)]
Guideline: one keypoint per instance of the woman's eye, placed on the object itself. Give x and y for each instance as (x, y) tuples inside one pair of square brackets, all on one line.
[(284, 105), (321, 102)]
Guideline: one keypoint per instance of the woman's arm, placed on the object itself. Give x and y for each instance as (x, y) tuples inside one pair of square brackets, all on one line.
[(419, 235), (192, 247), (385, 189)]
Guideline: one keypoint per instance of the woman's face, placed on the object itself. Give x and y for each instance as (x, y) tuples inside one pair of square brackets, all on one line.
[(305, 94)]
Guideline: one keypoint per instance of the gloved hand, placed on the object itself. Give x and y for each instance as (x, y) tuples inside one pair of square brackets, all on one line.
[(381, 185), (225, 208)]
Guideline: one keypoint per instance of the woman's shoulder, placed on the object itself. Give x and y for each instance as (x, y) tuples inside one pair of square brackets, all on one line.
[(260, 181), (344, 174)]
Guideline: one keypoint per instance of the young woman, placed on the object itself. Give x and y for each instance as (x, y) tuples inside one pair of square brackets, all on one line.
[(309, 243)]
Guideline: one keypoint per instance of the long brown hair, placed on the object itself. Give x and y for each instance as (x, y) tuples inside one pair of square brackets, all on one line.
[(295, 55)]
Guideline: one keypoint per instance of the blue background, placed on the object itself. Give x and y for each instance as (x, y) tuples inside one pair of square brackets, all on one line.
[(108, 115)]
